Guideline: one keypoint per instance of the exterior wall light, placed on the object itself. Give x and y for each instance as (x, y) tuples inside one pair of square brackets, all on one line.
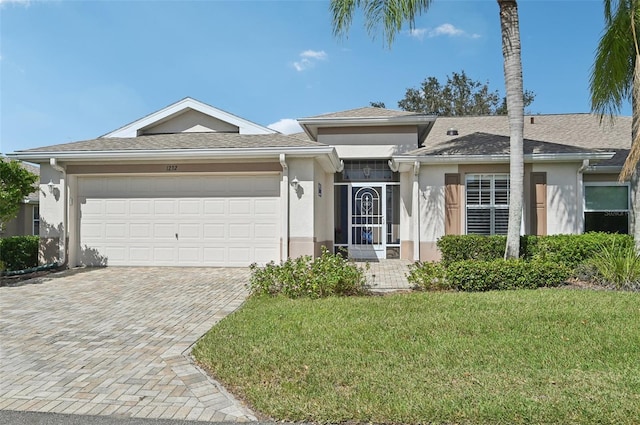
[(295, 183), (50, 186)]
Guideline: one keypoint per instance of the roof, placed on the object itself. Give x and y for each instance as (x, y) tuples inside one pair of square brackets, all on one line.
[(368, 116), (561, 133), (583, 130), (367, 112), (179, 141), (491, 144)]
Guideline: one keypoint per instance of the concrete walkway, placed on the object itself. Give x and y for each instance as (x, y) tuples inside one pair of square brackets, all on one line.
[(116, 341), (387, 275)]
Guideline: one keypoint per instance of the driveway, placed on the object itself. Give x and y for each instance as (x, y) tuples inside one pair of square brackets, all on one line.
[(116, 341)]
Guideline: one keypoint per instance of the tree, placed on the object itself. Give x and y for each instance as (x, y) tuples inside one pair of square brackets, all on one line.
[(378, 104), (615, 76), (16, 183), (392, 14), (459, 96)]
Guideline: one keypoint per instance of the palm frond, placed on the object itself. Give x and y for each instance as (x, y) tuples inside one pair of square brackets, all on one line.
[(387, 16), (612, 73)]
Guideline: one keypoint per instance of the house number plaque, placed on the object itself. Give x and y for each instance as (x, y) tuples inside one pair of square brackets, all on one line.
[(172, 168)]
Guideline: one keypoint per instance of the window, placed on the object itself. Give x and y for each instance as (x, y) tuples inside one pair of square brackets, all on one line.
[(606, 207), (487, 204), (36, 220)]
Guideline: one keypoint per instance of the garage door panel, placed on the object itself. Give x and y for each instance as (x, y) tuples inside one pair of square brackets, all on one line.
[(164, 207), (240, 207), (139, 207), (218, 220), (214, 207), (163, 231), (189, 231), (140, 230), (214, 232), (116, 207), (239, 231), (116, 230), (268, 231), (267, 207)]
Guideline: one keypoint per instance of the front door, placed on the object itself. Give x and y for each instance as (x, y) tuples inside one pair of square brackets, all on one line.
[(367, 235)]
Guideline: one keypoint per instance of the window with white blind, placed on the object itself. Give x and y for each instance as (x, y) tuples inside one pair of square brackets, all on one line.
[(487, 204)]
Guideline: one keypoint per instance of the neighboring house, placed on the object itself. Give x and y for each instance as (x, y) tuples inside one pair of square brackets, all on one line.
[(27, 222), (192, 185)]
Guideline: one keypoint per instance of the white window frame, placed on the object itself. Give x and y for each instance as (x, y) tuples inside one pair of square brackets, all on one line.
[(492, 206), (609, 184)]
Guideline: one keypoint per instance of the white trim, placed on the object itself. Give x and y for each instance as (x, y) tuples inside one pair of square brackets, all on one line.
[(284, 200), (501, 158), (132, 129)]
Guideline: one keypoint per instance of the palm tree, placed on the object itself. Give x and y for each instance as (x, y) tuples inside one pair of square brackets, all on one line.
[(615, 76), (615, 79), (393, 14)]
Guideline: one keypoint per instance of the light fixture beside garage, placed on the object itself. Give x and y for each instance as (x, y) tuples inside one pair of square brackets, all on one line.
[(50, 186), (295, 183)]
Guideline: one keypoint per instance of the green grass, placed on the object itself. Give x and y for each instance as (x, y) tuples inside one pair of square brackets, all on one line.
[(545, 356)]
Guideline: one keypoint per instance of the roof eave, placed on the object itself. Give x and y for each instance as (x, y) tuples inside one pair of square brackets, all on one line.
[(184, 154), (500, 158), (311, 125)]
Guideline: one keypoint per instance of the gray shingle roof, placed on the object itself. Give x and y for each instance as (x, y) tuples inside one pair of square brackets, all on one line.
[(491, 144), (367, 112), (181, 141), (560, 133), (582, 130)]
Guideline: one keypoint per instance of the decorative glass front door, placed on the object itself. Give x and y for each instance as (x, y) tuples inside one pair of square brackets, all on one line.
[(367, 233)]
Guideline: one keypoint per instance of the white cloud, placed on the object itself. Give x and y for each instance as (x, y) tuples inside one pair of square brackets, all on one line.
[(444, 30), (313, 54), (308, 59), (417, 33), (286, 126)]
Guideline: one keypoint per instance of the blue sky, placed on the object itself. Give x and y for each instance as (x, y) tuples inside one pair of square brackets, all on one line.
[(74, 70)]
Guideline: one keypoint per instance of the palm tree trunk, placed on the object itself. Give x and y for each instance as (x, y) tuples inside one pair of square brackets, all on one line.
[(515, 110)]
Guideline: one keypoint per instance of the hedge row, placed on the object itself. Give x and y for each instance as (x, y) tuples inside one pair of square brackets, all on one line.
[(569, 250), (478, 275), (19, 252)]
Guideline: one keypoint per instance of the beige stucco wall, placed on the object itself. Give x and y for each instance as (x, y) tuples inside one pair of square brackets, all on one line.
[(370, 142), (432, 208), (191, 121), (21, 225), (302, 207), (564, 197), (52, 214), (323, 209)]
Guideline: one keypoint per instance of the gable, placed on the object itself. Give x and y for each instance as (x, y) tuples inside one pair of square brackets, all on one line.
[(190, 121), (217, 118)]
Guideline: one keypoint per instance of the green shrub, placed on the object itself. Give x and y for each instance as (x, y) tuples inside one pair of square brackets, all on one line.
[(471, 247), (19, 252), (570, 250), (617, 264), (427, 276), (573, 250), (505, 274), (325, 276)]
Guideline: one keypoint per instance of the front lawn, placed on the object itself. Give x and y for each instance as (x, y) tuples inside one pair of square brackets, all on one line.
[(526, 356)]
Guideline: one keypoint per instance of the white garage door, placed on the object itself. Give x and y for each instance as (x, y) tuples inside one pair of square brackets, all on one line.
[(179, 220)]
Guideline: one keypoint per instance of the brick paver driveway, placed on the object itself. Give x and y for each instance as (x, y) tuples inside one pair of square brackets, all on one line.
[(116, 341)]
